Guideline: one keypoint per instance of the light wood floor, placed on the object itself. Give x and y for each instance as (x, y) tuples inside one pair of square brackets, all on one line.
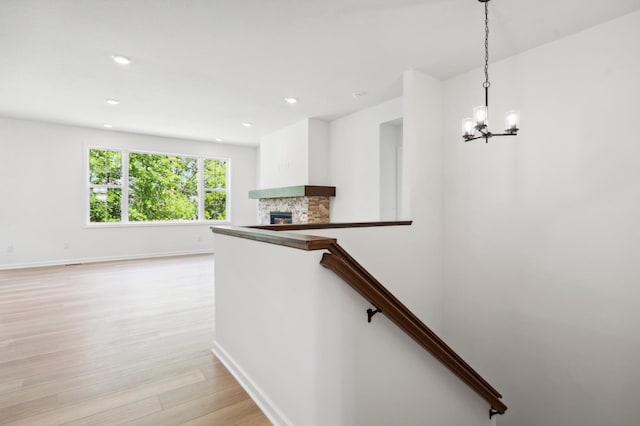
[(115, 343)]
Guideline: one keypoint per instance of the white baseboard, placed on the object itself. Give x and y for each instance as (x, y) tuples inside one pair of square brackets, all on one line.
[(273, 413), (61, 262)]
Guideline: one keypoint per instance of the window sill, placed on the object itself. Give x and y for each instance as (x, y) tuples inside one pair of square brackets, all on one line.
[(159, 223)]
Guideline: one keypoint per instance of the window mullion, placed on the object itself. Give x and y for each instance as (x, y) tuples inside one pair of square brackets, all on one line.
[(124, 201), (227, 183), (201, 189)]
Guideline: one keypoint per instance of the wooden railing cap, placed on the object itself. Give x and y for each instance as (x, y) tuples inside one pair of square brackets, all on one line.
[(297, 241)]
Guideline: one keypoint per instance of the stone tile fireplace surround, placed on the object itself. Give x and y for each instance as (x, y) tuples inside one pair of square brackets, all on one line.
[(308, 204)]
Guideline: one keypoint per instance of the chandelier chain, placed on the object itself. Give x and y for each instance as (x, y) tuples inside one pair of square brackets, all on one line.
[(486, 46)]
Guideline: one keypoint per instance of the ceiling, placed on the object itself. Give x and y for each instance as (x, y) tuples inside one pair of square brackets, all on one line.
[(202, 67)]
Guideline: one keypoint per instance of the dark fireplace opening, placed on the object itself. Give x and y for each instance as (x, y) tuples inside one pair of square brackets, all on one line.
[(280, 218)]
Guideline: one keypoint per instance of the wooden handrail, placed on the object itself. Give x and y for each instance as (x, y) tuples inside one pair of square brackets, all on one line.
[(343, 265), (346, 267)]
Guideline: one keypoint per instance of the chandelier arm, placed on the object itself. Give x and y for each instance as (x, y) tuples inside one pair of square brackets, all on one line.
[(473, 139), (489, 135), (504, 134)]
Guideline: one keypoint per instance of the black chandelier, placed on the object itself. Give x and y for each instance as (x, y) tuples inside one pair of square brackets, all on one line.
[(480, 120)]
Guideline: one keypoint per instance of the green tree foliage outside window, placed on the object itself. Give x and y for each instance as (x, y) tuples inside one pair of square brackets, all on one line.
[(105, 186), (162, 187), (215, 187)]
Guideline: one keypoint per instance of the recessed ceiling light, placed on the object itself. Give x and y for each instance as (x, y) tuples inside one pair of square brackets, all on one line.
[(219, 139), (113, 101), (121, 60), (107, 126), (291, 100), (247, 124)]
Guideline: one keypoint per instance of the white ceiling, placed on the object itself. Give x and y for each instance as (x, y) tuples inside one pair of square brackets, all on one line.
[(201, 67)]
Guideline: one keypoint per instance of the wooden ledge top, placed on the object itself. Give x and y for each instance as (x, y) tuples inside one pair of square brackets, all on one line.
[(303, 226), (298, 241), (294, 191), (273, 234)]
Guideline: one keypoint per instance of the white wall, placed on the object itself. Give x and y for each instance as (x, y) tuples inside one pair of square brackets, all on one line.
[(355, 161), (295, 155), (318, 152), (298, 339), (542, 235), (284, 156), (43, 191), (356, 173), (422, 184), (390, 150)]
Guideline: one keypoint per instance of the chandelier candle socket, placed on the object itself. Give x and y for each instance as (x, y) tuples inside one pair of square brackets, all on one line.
[(480, 116), (478, 126), (467, 127), (512, 120)]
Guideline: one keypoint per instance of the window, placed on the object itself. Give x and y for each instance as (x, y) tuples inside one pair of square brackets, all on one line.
[(162, 187), (215, 189), (105, 186), (139, 187)]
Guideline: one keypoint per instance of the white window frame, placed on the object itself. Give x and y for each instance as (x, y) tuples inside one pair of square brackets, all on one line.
[(124, 187)]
